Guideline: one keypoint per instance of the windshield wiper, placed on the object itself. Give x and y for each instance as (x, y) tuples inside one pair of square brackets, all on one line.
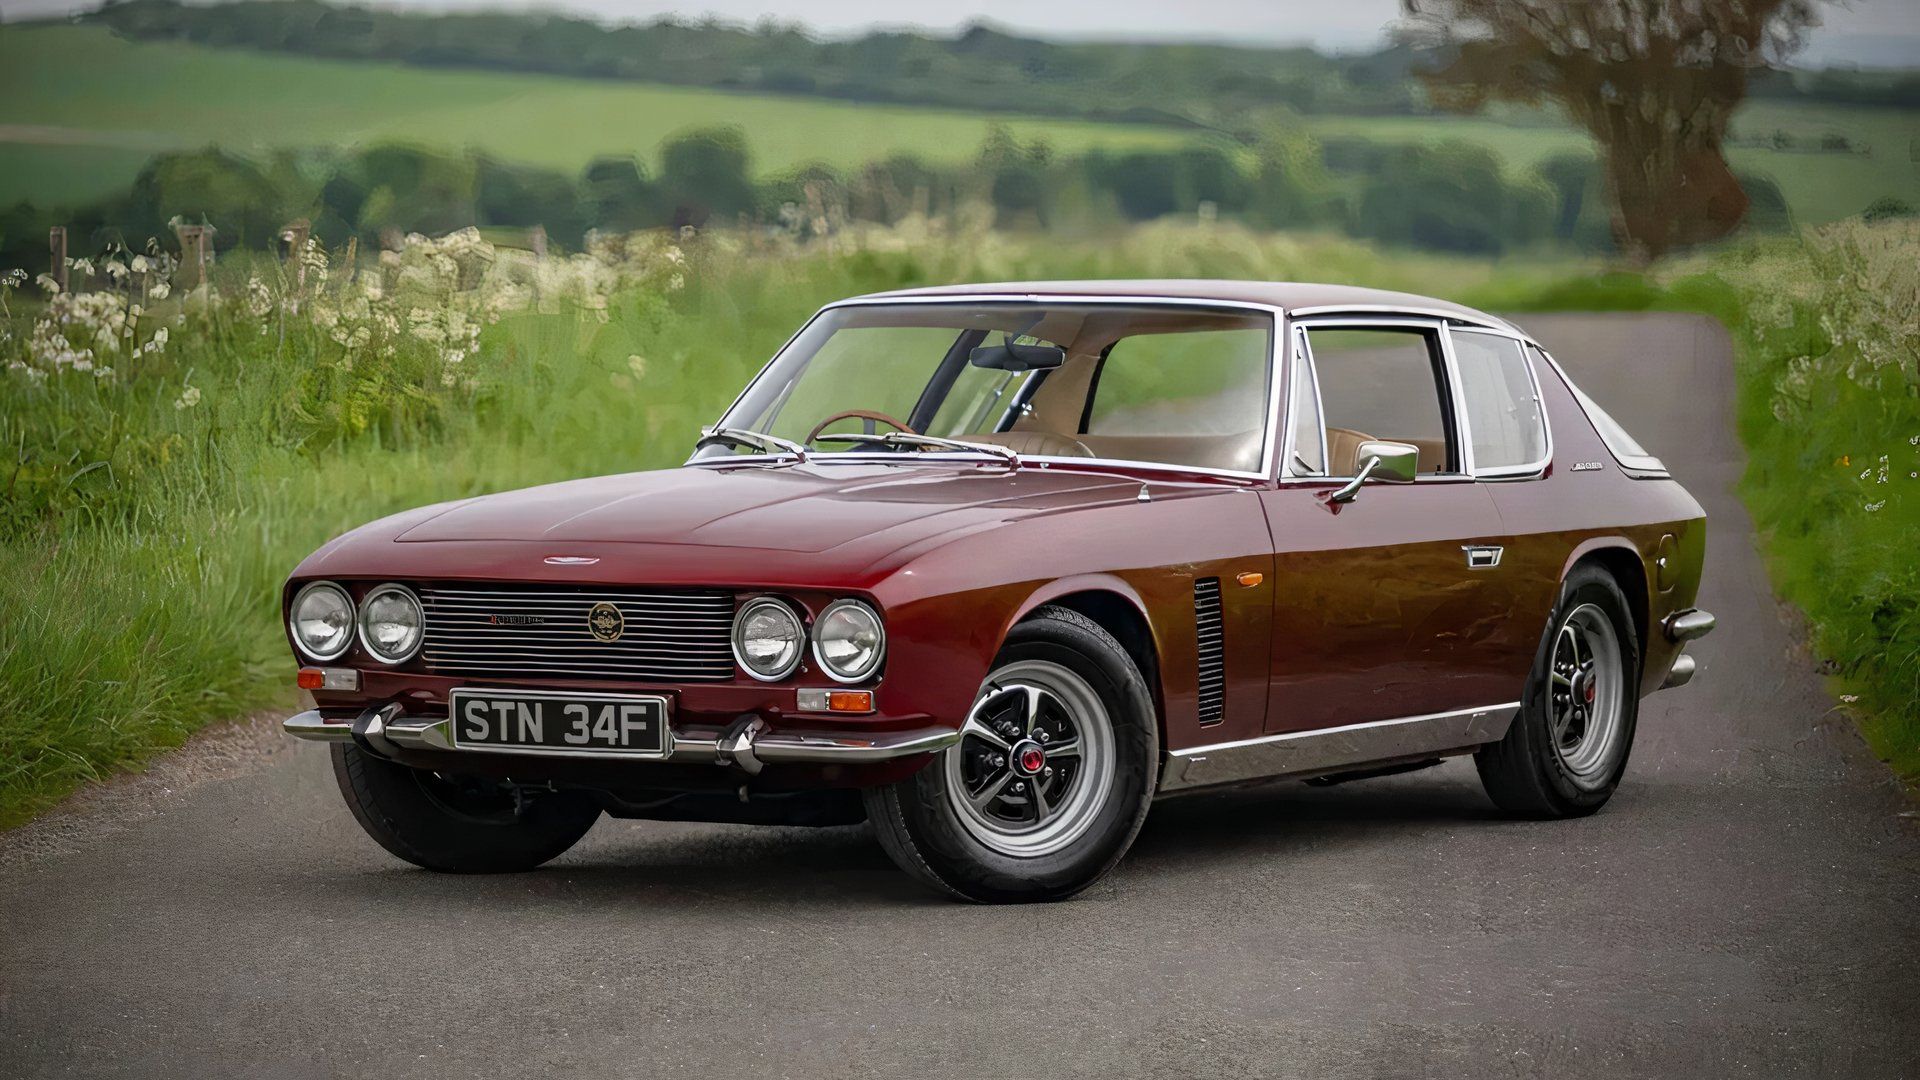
[(753, 439), (901, 438)]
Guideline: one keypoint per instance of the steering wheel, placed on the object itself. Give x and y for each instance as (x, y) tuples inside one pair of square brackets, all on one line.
[(861, 414)]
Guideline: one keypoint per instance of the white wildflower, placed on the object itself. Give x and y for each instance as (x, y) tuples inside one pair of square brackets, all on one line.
[(160, 290), (189, 397)]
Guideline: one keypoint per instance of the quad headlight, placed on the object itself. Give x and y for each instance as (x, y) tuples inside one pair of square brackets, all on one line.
[(768, 639), (848, 640), (321, 620), (391, 623)]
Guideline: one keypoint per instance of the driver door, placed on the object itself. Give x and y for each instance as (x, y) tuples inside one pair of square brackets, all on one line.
[(1382, 603)]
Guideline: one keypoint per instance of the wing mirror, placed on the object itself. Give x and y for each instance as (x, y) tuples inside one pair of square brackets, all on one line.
[(1389, 461)]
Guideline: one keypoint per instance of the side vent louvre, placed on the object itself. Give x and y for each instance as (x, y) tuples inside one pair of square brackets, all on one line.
[(1212, 655)]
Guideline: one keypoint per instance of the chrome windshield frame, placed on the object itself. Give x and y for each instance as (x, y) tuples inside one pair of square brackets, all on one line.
[(1270, 437)]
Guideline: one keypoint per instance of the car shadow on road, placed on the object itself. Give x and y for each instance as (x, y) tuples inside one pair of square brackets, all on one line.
[(625, 862)]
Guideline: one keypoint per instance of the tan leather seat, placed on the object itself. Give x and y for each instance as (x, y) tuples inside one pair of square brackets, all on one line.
[(1343, 450)]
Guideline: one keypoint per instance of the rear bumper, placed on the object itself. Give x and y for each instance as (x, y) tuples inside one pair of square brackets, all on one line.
[(749, 744), (1680, 628)]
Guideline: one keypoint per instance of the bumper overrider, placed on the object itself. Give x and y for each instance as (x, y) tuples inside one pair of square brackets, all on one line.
[(748, 743), (1680, 628)]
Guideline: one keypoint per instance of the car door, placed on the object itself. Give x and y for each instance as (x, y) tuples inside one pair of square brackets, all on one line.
[(1385, 605)]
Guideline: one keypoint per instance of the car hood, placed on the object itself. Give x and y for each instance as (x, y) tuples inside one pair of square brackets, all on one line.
[(801, 508)]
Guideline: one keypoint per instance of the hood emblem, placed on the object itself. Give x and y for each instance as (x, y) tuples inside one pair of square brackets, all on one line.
[(571, 560), (605, 622)]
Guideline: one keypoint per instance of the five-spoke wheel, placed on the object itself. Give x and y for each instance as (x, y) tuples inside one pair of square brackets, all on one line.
[(1050, 780), (1565, 752), (1035, 759)]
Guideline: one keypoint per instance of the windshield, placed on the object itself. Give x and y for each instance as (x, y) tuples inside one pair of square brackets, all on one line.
[(1182, 385)]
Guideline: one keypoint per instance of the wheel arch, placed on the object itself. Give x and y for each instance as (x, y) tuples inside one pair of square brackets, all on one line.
[(1118, 609), (1621, 560)]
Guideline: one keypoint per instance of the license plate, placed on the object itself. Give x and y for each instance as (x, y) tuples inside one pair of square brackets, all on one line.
[(559, 722)]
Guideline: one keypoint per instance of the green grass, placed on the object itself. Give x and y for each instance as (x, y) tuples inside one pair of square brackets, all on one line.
[(91, 85)]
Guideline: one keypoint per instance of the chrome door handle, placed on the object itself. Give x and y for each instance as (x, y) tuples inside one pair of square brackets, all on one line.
[(1482, 556)]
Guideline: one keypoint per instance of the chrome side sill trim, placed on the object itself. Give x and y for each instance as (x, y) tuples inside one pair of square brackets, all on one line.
[(1311, 753), (434, 733), (1681, 673), (1689, 624)]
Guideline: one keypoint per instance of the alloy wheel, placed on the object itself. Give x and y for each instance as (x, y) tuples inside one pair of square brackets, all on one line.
[(1035, 760), (1587, 702)]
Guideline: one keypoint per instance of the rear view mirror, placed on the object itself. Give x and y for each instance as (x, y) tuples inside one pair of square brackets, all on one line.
[(1013, 357)]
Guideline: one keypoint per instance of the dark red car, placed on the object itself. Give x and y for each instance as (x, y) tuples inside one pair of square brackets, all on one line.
[(995, 566)]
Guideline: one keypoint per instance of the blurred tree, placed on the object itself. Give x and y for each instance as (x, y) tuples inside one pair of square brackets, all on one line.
[(1655, 83), (707, 172), (616, 197)]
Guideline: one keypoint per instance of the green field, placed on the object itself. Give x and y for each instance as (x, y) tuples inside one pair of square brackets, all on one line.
[(95, 106), (81, 109)]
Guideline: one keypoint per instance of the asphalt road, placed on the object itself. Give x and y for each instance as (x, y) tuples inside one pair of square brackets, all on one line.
[(1747, 905)]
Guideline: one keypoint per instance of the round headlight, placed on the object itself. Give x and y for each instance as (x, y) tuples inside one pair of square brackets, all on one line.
[(391, 623), (848, 640), (768, 639), (321, 620)]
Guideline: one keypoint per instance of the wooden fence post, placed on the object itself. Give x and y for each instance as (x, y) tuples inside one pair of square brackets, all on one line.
[(196, 251), (57, 243), (537, 240), (294, 235)]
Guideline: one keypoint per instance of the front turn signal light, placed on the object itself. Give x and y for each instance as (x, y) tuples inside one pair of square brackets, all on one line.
[(327, 678), (835, 701)]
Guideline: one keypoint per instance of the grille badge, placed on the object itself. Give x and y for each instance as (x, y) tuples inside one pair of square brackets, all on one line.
[(605, 622)]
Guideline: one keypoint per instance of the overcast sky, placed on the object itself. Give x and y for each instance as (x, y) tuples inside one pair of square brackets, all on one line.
[(1882, 32)]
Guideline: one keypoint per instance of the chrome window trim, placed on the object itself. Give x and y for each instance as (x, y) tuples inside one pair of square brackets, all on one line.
[(1392, 319), (1535, 469), (1270, 440), (1476, 319), (1300, 366)]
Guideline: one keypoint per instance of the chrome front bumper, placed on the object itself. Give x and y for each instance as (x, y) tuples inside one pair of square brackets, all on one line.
[(749, 745)]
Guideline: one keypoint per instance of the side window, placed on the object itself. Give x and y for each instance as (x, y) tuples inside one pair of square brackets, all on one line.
[(1382, 384), (1309, 451), (1195, 382), (1503, 411)]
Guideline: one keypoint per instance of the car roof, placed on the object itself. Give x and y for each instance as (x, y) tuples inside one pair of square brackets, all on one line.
[(1293, 297)]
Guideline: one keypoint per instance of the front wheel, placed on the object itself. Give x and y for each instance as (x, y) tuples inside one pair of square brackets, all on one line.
[(456, 824), (1565, 752), (1051, 778)]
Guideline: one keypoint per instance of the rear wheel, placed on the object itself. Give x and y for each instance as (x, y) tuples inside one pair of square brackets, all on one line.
[(1565, 752), (1051, 778), (456, 824)]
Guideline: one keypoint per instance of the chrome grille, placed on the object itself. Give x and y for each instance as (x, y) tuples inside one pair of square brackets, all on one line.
[(1211, 653), (508, 630)]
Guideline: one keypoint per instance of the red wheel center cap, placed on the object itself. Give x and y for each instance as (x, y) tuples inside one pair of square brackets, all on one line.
[(1029, 757), (1589, 692)]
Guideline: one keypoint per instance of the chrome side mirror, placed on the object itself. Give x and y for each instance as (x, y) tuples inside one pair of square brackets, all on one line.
[(1389, 461)]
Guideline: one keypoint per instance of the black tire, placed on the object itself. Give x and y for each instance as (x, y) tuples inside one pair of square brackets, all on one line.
[(458, 827), (926, 834), (1528, 773)]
